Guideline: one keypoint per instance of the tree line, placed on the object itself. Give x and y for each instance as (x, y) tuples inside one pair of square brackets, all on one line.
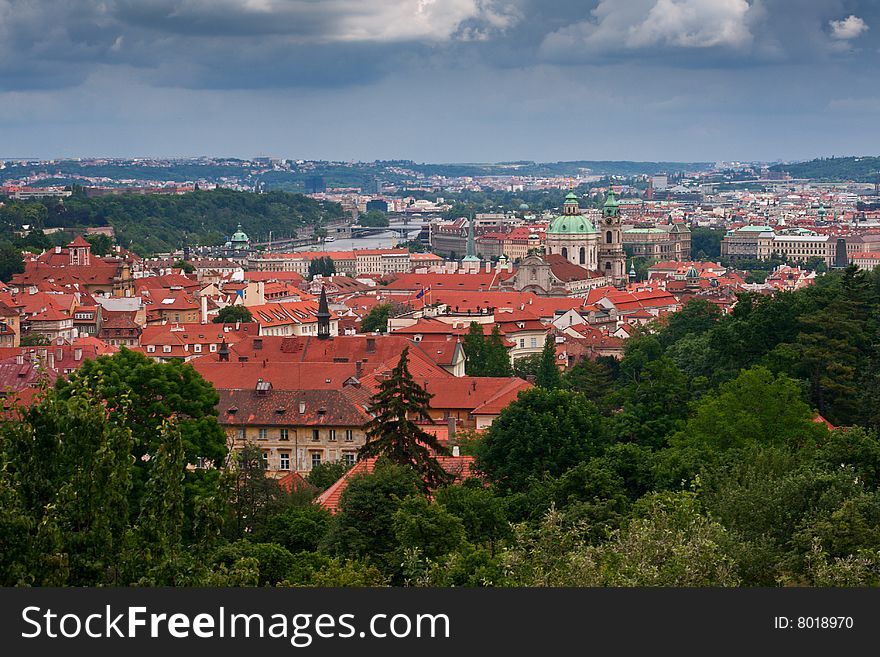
[(159, 223)]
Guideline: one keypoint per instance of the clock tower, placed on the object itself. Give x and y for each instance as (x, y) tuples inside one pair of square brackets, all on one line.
[(612, 258)]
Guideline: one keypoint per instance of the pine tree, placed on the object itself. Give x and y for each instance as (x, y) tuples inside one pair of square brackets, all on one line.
[(475, 350), (497, 359), (548, 373), (393, 432)]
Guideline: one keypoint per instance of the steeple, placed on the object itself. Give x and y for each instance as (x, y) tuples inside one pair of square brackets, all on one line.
[(323, 316), (471, 258), (611, 207)]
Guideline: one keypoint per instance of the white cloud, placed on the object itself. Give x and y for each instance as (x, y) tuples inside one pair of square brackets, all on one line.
[(640, 24), (850, 27), (417, 20)]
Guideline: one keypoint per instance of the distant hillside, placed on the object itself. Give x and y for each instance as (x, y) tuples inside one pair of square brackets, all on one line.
[(597, 167), (858, 169), (160, 223)]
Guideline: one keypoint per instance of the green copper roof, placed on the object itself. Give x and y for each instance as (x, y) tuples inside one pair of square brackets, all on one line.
[(611, 207), (239, 235), (643, 231), (571, 196), (753, 229), (568, 224)]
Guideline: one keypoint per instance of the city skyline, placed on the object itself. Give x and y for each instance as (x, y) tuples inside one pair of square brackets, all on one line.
[(458, 81)]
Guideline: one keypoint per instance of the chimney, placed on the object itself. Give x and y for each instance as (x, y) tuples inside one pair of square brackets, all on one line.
[(358, 369), (456, 451), (302, 407), (371, 345), (203, 307), (450, 424)]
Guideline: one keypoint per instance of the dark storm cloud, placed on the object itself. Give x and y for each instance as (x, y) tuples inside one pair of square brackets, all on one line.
[(692, 75)]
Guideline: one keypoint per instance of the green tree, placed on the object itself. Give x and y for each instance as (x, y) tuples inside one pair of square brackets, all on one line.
[(427, 527), (482, 513), (187, 267), (374, 219), (413, 246), (548, 375), (592, 378), (102, 245), (11, 261), (325, 474), (362, 528), (706, 241), (161, 391), (377, 318), (324, 266), (757, 409), (527, 366), (255, 497), (474, 345), (34, 340), (543, 431), (496, 356), (695, 318), (297, 528), (393, 431), (65, 467), (233, 314)]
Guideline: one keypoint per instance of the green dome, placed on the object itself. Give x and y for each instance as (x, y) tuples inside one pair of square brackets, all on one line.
[(239, 236), (568, 224)]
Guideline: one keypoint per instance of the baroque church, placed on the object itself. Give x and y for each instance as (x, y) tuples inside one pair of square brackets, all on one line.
[(578, 256)]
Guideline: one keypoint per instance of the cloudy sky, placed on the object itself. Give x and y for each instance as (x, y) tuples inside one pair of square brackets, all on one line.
[(441, 80)]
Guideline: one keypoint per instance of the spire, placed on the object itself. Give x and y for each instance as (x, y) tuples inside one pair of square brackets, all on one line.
[(611, 207), (471, 248), (323, 316)]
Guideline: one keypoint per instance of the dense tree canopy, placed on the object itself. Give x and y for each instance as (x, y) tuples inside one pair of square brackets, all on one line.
[(233, 314)]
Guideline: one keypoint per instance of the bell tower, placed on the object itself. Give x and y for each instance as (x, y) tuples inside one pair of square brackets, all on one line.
[(612, 258)]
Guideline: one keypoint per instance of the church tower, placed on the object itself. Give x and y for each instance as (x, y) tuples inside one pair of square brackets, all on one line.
[(80, 252), (612, 258)]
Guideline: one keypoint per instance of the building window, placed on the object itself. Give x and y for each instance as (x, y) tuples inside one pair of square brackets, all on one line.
[(534, 342), (583, 256), (522, 343), (262, 434), (213, 348), (565, 253), (239, 434), (284, 461), (197, 348), (348, 458), (332, 436), (166, 348), (316, 459), (608, 237), (265, 460), (151, 348), (283, 435), (316, 435), (349, 435)]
